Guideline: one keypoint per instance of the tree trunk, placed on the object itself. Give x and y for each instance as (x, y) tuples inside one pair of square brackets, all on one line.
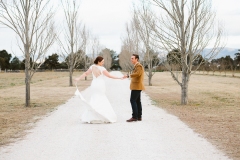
[(85, 65), (150, 77), (184, 88), (27, 77), (27, 82), (27, 67), (27, 61), (233, 72), (70, 76), (85, 70)]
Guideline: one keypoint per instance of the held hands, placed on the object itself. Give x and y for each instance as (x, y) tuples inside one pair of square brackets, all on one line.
[(125, 76)]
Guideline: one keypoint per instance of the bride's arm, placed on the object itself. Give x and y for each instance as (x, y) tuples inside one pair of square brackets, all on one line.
[(84, 74), (106, 73)]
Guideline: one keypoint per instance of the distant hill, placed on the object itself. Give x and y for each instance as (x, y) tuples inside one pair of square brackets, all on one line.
[(225, 52)]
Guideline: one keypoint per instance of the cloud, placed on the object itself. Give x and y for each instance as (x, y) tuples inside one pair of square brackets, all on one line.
[(107, 18), (229, 14)]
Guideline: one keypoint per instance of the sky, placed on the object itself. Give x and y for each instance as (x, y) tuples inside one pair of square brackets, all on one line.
[(106, 19)]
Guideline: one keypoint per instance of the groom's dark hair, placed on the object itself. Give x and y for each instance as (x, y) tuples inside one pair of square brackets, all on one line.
[(136, 56)]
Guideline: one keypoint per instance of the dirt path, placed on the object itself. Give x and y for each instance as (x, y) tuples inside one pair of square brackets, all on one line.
[(62, 136)]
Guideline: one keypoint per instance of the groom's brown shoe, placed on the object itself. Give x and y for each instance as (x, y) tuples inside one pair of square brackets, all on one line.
[(139, 119), (132, 120)]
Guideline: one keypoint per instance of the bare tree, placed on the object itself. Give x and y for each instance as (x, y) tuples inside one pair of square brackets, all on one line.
[(107, 58), (85, 36), (95, 47), (32, 21), (142, 16), (236, 62), (130, 45), (189, 26), (232, 65), (213, 66), (237, 59), (223, 66), (124, 59), (74, 39)]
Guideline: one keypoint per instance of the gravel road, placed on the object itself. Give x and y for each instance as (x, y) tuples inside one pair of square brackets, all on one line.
[(160, 136)]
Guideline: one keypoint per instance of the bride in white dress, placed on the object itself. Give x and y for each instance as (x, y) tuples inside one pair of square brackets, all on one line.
[(101, 110)]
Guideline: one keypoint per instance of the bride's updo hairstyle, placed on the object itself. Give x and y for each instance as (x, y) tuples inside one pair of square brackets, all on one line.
[(98, 59)]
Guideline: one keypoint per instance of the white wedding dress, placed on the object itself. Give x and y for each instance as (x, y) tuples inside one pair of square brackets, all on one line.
[(99, 109)]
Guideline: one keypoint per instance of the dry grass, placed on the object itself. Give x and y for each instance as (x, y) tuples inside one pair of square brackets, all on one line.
[(213, 109), (223, 74), (48, 90)]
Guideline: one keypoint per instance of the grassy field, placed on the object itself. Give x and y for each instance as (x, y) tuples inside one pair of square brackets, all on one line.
[(213, 110), (48, 90)]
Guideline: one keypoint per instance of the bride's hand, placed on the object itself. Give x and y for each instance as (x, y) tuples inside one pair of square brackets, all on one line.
[(123, 77), (76, 80)]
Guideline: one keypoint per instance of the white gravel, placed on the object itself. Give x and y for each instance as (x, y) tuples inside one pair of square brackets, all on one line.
[(160, 136)]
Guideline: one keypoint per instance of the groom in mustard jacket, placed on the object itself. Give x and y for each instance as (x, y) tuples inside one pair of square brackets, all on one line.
[(136, 87)]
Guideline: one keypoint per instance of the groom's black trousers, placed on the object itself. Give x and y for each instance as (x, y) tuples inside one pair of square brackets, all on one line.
[(135, 100)]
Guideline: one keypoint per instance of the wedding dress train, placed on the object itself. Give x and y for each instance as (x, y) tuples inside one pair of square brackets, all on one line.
[(99, 109)]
